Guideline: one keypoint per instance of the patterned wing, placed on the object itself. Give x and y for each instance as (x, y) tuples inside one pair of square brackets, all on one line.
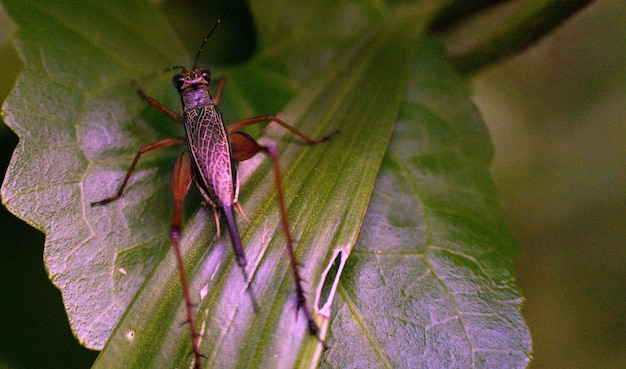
[(212, 158)]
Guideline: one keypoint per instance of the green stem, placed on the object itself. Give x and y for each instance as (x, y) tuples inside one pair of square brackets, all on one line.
[(531, 21)]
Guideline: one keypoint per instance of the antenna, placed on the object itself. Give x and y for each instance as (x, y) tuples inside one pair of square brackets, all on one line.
[(219, 20)]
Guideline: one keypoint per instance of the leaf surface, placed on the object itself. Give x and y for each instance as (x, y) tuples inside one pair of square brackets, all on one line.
[(429, 283), (361, 68)]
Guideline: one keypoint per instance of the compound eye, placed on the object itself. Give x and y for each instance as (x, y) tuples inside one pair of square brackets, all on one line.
[(206, 74), (178, 81)]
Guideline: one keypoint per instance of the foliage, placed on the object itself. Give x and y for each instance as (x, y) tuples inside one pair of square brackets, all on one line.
[(428, 281)]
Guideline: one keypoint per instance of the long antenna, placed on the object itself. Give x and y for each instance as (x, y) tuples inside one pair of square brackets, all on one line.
[(219, 20)]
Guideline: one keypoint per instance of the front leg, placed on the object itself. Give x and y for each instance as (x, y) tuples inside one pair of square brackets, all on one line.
[(166, 142), (158, 106)]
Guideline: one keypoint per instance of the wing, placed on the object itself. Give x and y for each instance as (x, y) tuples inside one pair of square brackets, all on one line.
[(211, 155)]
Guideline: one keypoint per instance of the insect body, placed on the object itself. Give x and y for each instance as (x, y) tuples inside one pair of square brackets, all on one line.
[(209, 149), (212, 151)]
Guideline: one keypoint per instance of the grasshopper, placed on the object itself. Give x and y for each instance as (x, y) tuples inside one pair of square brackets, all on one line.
[(213, 149)]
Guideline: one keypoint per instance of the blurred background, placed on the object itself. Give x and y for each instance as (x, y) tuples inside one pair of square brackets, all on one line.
[(557, 116)]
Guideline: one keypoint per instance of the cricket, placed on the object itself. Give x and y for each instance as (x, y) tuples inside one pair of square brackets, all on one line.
[(213, 150)]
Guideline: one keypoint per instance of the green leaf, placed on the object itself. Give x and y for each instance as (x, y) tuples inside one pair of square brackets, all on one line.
[(73, 108), (326, 173), (355, 66), (429, 283)]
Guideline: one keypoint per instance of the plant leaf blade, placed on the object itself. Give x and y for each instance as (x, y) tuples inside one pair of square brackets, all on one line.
[(430, 282)]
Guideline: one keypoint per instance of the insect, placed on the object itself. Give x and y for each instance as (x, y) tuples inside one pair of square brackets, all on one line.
[(213, 149)]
